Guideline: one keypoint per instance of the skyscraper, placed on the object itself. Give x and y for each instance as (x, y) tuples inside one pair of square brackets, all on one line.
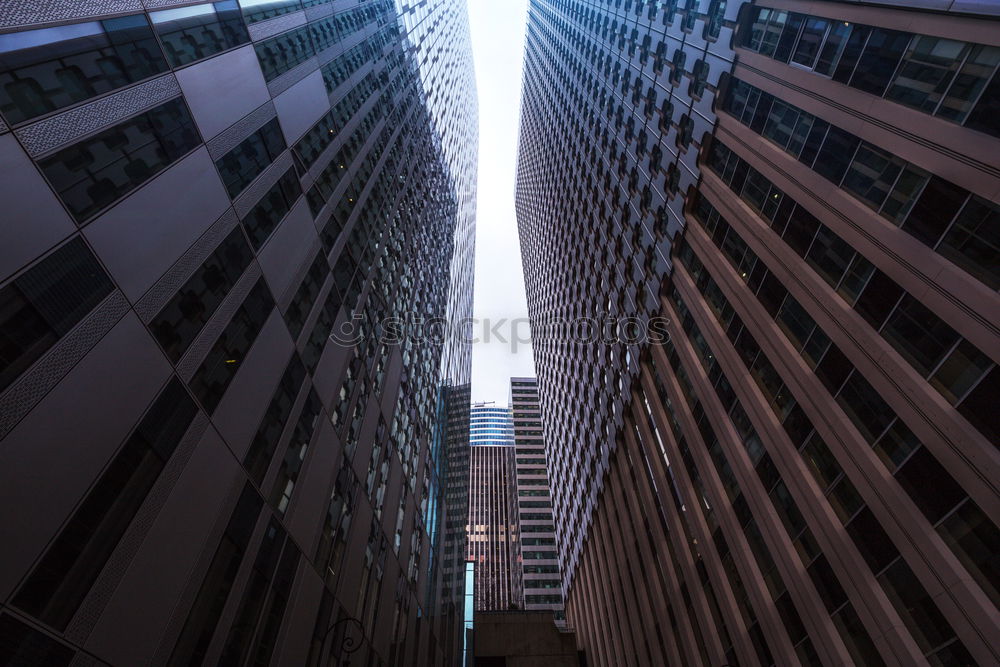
[(536, 556), (492, 528), (807, 193), (208, 209)]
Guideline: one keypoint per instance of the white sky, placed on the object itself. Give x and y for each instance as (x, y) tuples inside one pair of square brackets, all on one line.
[(498, 48)]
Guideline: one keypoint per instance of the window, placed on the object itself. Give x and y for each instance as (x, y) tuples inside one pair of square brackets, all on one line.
[(181, 320), (92, 174), (919, 335), (192, 33), (280, 54), (272, 208), (218, 582), (240, 166), (261, 10), (257, 460), (64, 575), (973, 240), (291, 464), (879, 59), (969, 83), (52, 68), (305, 296), (927, 69), (21, 644), (222, 362), (810, 39), (44, 303)]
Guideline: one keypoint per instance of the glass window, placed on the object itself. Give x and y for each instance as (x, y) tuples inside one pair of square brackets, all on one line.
[(44, 303), (916, 607), (934, 210), (922, 472), (783, 49), (830, 255), (257, 460), (927, 70), (960, 371), (53, 68), (872, 174), (985, 116), (272, 208), (872, 541), (192, 33), (193, 642), (261, 10), (813, 32), (64, 575), (879, 60), (865, 406), (833, 47), (772, 31), (305, 296), (976, 541), (856, 40), (856, 637), (21, 644), (836, 154), (93, 173), (969, 83), (980, 405), (225, 358), (240, 166), (919, 335), (181, 320), (973, 241), (904, 192), (878, 299), (280, 54)]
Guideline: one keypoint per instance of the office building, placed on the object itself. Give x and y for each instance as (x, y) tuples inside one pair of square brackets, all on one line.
[(802, 471), (492, 527), (536, 557), (208, 210)]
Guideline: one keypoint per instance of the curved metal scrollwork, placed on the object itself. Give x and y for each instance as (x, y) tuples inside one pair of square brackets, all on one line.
[(353, 637)]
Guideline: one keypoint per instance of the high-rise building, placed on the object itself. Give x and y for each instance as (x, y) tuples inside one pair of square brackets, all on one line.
[(536, 556), (492, 527), (807, 193), (208, 209)]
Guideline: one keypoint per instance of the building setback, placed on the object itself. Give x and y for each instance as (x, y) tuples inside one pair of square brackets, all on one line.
[(536, 555), (807, 193), (208, 208)]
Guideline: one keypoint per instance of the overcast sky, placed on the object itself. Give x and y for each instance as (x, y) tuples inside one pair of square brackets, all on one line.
[(498, 48)]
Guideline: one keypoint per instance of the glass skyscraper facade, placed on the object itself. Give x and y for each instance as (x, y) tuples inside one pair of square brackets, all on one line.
[(802, 470), (208, 210)]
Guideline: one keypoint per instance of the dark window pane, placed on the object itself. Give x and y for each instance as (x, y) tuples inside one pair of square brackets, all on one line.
[(181, 320), (192, 33), (23, 646), (60, 582), (878, 299), (856, 637), (813, 31), (836, 154), (240, 166), (985, 117), (969, 82), (825, 580), (927, 70), (52, 68), (919, 335), (218, 582), (865, 406), (879, 60), (261, 10), (272, 208), (976, 541), (916, 607), (95, 172), (225, 358), (929, 485), (305, 296), (973, 242), (258, 457), (46, 302), (872, 541), (852, 51), (934, 210), (280, 54), (786, 41), (980, 406)]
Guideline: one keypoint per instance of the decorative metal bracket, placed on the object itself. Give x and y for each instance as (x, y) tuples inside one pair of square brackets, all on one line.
[(351, 640)]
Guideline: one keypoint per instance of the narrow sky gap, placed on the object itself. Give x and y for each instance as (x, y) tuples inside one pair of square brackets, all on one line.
[(498, 48)]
